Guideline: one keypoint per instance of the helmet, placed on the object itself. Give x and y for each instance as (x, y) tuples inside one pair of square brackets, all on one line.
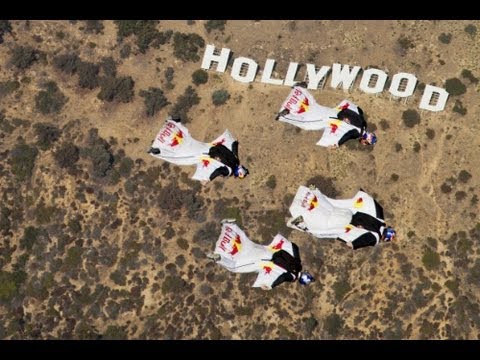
[(389, 234), (240, 172), (305, 278), (370, 137), (154, 151)]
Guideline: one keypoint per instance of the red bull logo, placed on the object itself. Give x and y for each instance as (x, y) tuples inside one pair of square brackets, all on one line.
[(236, 246), (166, 132), (344, 106), (334, 126), (358, 203), (348, 228), (205, 162), (303, 106), (278, 246), (313, 203), (177, 138), (293, 100), (267, 269)]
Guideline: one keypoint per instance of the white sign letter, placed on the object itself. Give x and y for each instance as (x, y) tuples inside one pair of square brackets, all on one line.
[(291, 72), (242, 64), (314, 78), (209, 57), (367, 77), (406, 89), (343, 74), (267, 73), (433, 92)]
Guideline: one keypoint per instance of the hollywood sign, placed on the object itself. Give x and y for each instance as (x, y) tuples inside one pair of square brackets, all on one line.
[(373, 80)]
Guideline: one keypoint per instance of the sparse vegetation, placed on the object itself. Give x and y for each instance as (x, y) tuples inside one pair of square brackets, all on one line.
[(464, 176), (200, 76), (459, 108), (5, 28), (186, 46), (46, 134), (8, 87), (215, 25), (66, 155), (455, 87), (68, 63), (51, 100), (411, 118), (333, 325), (154, 100), (430, 259), (116, 89), (467, 74), (471, 30), (24, 56), (184, 103), (88, 75), (22, 160), (445, 38), (220, 97), (271, 182)]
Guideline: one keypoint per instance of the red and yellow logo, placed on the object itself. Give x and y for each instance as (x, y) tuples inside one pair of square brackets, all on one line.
[(177, 138), (344, 106), (303, 106), (334, 126), (313, 203), (359, 203), (236, 246), (205, 162), (278, 246), (267, 269), (348, 228)]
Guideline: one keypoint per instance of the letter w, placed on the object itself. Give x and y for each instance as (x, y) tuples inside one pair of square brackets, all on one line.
[(343, 74)]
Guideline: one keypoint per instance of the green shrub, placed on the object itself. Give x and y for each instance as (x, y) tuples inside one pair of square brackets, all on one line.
[(467, 74), (66, 155), (445, 38), (430, 259), (125, 167), (464, 176), (74, 226), (24, 56), (333, 325), (220, 97), (46, 134), (74, 257), (145, 32), (416, 146), (200, 76), (410, 118), (5, 27), (471, 30), (325, 184), (459, 108), (44, 213), (93, 26), (102, 160), (5, 220), (169, 72), (8, 287), (271, 182), (51, 100), (119, 89), (125, 51), (30, 236), (108, 66), (430, 134), (173, 284), (115, 333), (455, 87), (186, 46), (215, 25), (184, 102), (182, 243), (341, 288), (68, 63), (154, 100), (22, 159), (394, 177), (460, 195), (88, 75), (8, 87)]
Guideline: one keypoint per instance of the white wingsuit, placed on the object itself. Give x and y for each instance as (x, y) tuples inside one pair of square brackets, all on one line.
[(237, 253), (324, 217), (307, 114), (178, 147)]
